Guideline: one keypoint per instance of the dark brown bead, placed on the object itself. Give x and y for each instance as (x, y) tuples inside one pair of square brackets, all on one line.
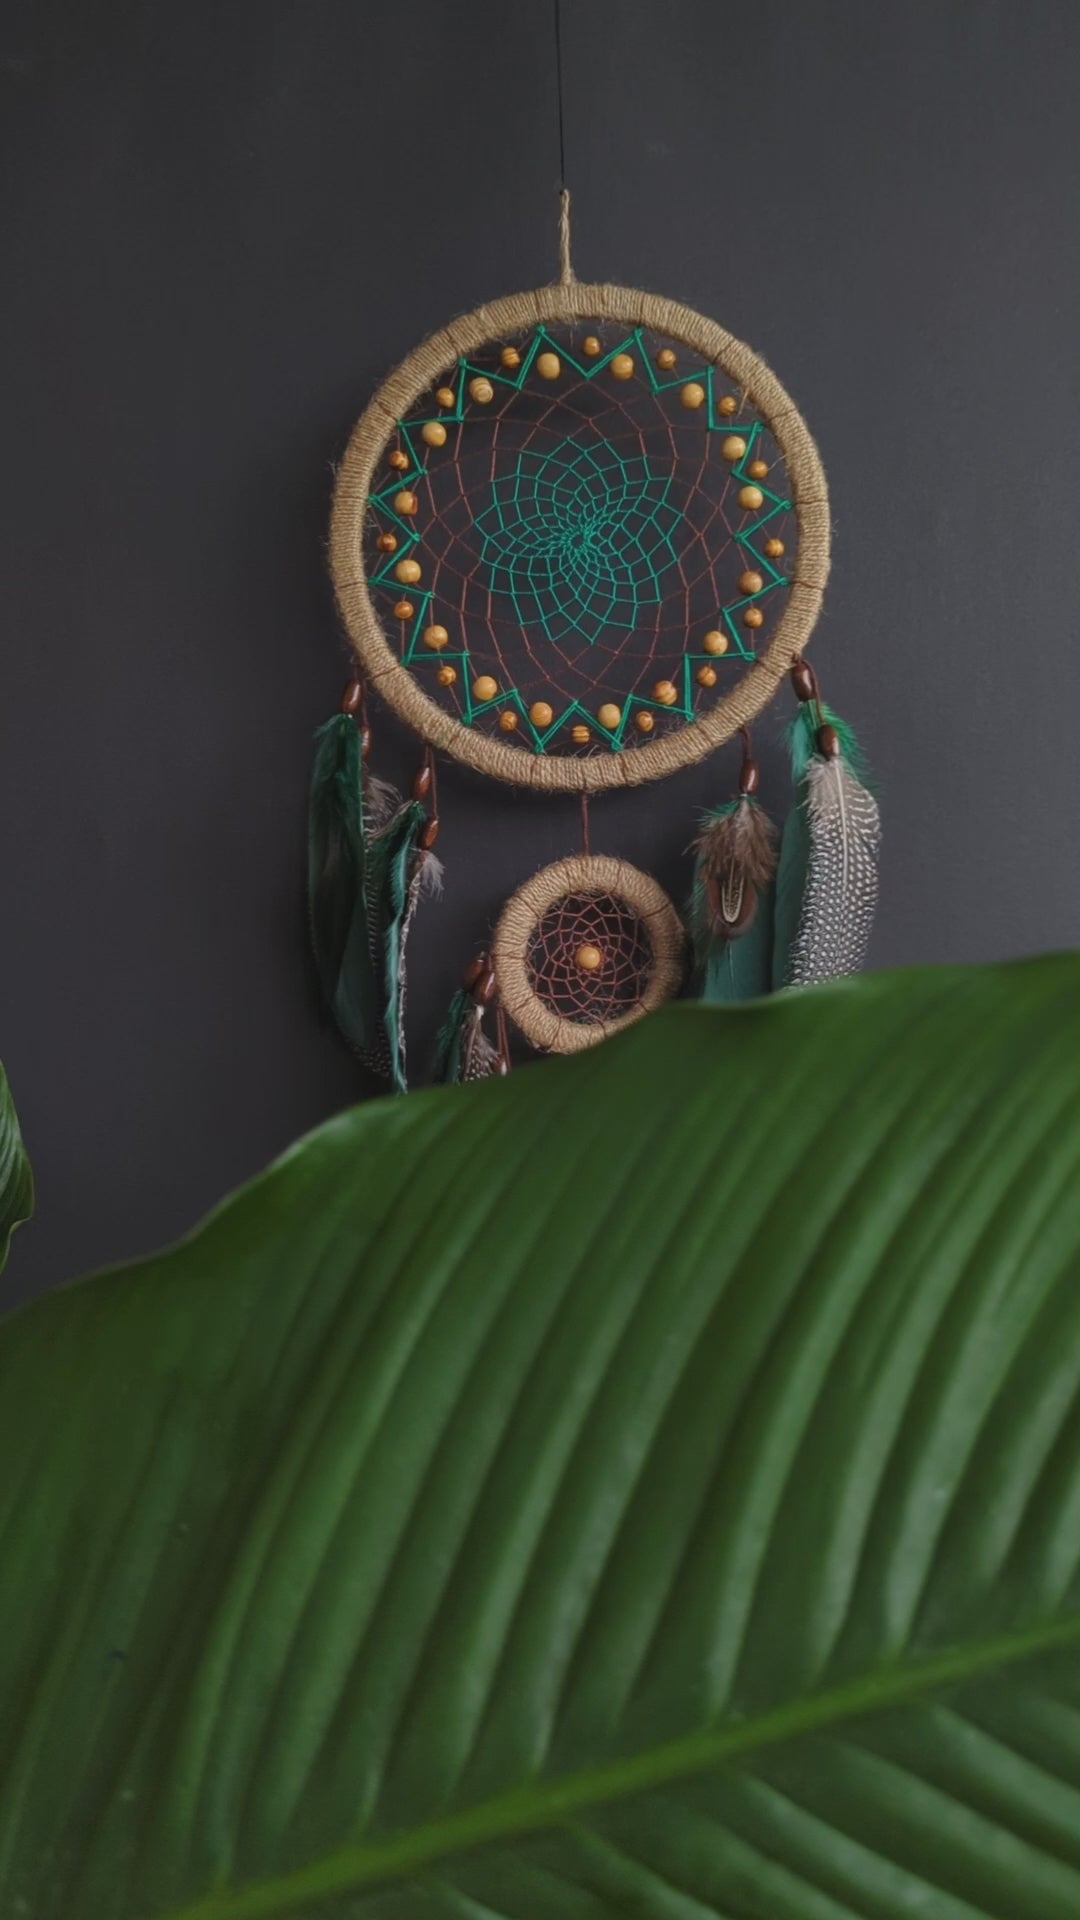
[(502, 1065), (750, 777), (474, 971), (484, 990), (365, 741), (421, 785), (803, 680), (353, 697), (828, 741), (428, 835)]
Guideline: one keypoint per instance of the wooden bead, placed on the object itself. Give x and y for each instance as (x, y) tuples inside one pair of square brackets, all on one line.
[(727, 405), (434, 433), (445, 396), (622, 367), (715, 642), (485, 688), (774, 548), (511, 359), (706, 676), (580, 736), (590, 346), (353, 697), (609, 715), (475, 972), (804, 680), (481, 391), (753, 617), (751, 498), (508, 720), (403, 610), (644, 721), (405, 503), (692, 396), (399, 461), (446, 676), (541, 714), (733, 447), (828, 741), (486, 987), (749, 777), (423, 781), (589, 958), (429, 833), (387, 543), (666, 692), (436, 637), (408, 572), (548, 366), (365, 741), (750, 582), (665, 359), (758, 470)]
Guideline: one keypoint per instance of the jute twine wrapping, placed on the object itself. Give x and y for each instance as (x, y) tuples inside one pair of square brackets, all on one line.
[(522, 914), (567, 301)]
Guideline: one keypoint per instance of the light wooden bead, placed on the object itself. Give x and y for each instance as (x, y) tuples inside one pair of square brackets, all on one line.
[(485, 688), (446, 676), (387, 543), (541, 714), (580, 736), (436, 637), (665, 359), (408, 572), (590, 346), (774, 548), (733, 447), (666, 692), (728, 405), (692, 396), (589, 958), (481, 391), (511, 359), (644, 721), (751, 498), (405, 502), (609, 715), (399, 461), (548, 366), (404, 610), (706, 676), (750, 582), (622, 367), (758, 470), (434, 433), (715, 642), (753, 617), (445, 396), (508, 721)]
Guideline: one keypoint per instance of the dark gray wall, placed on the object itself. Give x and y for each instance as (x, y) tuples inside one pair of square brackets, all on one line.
[(221, 224)]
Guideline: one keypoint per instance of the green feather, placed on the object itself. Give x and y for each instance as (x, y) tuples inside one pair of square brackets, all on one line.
[(449, 1061)]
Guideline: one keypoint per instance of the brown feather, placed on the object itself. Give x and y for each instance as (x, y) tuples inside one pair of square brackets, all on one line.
[(736, 861)]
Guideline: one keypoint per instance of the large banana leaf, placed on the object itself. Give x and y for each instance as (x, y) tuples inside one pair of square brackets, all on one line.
[(646, 1487), (16, 1179)]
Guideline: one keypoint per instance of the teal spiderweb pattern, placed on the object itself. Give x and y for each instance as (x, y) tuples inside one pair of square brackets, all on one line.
[(579, 539)]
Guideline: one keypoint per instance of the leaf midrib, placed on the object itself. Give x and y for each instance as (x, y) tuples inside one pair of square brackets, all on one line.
[(547, 1803)]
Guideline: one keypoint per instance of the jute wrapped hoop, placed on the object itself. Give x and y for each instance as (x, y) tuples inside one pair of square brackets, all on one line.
[(549, 305), (522, 914)]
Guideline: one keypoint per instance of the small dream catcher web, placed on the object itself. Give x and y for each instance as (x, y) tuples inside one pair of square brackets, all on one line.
[(579, 539)]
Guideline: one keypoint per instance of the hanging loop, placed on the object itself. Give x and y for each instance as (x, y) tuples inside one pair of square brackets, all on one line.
[(567, 276)]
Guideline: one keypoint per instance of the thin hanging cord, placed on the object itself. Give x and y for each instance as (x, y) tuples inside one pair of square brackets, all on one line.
[(566, 271)]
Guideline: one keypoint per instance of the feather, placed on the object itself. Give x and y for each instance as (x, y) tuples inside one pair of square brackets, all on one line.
[(731, 904), (364, 863), (463, 1051), (827, 882)]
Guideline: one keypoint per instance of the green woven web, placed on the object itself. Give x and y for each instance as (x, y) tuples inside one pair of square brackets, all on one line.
[(579, 538)]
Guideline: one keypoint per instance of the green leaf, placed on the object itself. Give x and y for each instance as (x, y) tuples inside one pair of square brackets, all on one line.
[(649, 1486), (16, 1177)]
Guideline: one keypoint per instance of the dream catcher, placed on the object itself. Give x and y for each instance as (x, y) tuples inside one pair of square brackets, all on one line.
[(580, 539)]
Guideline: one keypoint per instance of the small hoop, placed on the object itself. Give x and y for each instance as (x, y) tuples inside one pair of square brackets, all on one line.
[(599, 874), (671, 751)]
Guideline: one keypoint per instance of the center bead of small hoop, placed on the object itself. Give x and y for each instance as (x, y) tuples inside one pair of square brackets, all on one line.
[(590, 958)]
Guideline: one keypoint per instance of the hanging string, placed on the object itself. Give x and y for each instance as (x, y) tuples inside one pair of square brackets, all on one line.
[(585, 848), (566, 271)]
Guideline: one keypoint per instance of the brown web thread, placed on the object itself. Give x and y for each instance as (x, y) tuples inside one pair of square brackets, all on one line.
[(574, 992), (454, 495)]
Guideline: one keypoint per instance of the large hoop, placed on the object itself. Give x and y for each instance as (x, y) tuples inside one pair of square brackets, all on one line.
[(550, 305)]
